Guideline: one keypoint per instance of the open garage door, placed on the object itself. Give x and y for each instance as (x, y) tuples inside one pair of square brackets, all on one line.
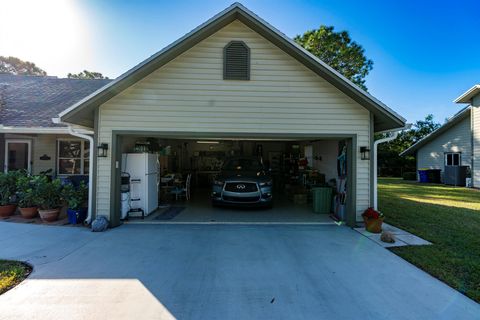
[(167, 178)]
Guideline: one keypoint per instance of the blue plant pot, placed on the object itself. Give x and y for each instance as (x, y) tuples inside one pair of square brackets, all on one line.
[(76, 216)]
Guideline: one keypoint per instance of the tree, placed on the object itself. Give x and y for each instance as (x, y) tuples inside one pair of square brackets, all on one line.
[(13, 65), (389, 153), (85, 74), (339, 51)]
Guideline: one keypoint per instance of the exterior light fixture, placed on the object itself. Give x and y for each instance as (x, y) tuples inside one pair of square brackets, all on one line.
[(365, 153), (102, 149)]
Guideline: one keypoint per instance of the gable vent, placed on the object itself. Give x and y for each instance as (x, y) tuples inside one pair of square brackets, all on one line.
[(236, 59)]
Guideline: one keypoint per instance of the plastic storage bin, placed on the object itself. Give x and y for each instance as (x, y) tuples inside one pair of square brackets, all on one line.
[(76, 216), (322, 199), (423, 176)]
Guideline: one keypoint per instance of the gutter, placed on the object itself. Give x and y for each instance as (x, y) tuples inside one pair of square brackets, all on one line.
[(38, 130), (77, 133), (375, 161)]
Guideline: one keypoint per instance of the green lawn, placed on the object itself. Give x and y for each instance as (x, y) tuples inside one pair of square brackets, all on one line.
[(449, 217), (12, 273)]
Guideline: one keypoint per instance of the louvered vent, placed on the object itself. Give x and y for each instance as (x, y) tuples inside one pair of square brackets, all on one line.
[(236, 61)]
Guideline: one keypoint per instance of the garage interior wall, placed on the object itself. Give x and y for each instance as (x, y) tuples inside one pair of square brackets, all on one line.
[(189, 95)]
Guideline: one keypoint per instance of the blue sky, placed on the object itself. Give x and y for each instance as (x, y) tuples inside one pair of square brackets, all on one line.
[(425, 53)]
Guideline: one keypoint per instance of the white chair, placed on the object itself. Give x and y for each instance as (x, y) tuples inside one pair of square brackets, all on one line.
[(183, 191)]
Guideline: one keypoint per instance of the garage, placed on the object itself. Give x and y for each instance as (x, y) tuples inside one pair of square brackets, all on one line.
[(235, 87), (193, 179)]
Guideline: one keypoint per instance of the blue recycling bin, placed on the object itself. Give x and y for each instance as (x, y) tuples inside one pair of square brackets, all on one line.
[(423, 175)]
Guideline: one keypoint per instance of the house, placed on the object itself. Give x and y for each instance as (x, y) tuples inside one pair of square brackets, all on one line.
[(28, 138), (235, 85), (456, 143)]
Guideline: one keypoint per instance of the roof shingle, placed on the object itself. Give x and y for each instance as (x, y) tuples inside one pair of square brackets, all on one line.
[(32, 101)]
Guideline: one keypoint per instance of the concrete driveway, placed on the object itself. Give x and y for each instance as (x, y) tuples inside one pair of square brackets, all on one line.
[(218, 272)]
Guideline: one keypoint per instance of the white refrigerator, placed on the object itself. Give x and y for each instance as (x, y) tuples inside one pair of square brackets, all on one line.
[(144, 171)]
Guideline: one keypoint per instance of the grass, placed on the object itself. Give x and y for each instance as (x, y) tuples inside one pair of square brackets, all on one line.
[(12, 273), (449, 217)]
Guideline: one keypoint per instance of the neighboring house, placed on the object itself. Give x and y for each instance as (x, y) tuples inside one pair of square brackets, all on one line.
[(456, 143), (28, 137), (233, 77)]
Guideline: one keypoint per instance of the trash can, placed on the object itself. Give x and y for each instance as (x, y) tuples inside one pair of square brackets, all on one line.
[(434, 175), (322, 199), (423, 175)]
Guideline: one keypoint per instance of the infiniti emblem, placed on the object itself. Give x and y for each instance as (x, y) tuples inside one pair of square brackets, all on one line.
[(240, 186)]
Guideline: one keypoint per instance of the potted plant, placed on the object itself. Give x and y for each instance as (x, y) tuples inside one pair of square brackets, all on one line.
[(8, 189), (373, 220), (27, 196), (49, 198), (76, 198)]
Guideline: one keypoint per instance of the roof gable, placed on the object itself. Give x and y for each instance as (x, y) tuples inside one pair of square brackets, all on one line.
[(82, 112), (453, 121)]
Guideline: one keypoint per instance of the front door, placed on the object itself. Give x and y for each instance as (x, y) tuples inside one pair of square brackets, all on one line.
[(17, 155)]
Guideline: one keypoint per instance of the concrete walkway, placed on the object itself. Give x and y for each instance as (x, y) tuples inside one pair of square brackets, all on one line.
[(218, 272)]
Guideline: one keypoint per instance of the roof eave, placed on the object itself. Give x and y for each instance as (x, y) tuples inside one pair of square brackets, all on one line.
[(467, 96), (446, 126)]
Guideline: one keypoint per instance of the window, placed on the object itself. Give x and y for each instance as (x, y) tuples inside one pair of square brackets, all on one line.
[(73, 157), (452, 159), (236, 64)]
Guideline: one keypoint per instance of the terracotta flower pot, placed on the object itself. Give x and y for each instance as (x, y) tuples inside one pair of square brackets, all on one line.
[(49, 215), (8, 210), (28, 213), (373, 225)]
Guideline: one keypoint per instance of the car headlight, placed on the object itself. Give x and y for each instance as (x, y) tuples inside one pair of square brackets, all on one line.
[(266, 184), (218, 182)]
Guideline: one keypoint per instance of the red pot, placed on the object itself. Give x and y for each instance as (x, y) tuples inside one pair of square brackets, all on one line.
[(28, 213), (373, 225), (8, 210), (49, 215)]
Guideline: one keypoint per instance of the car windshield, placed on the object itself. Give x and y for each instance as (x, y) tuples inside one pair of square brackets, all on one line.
[(243, 165)]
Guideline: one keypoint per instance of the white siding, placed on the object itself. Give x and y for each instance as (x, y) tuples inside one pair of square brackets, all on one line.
[(455, 139), (476, 141), (189, 94)]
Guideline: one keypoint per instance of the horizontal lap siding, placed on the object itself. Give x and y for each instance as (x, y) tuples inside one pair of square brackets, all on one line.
[(456, 139), (189, 94), (476, 143)]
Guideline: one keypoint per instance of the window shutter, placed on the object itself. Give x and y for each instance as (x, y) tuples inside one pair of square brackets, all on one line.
[(236, 61)]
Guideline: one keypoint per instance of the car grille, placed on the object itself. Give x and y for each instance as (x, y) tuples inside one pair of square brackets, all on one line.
[(241, 187), (241, 199)]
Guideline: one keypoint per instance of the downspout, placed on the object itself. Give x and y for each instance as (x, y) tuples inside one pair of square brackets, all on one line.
[(375, 162), (90, 170)]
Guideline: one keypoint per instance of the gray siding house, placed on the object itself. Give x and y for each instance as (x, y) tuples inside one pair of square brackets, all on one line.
[(28, 138), (456, 143)]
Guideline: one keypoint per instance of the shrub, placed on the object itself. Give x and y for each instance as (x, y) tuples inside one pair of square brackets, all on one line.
[(8, 186), (75, 197), (410, 176), (49, 193), (26, 191)]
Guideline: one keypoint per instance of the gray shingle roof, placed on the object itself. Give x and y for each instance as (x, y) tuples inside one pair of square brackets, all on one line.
[(32, 101)]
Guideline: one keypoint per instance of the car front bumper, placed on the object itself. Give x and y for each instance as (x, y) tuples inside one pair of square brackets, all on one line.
[(262, 197)]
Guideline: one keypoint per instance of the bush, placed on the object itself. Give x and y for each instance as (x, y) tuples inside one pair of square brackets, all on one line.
[(410, 176), (49, 193), (27, 192), (75, 197), (8, 186)]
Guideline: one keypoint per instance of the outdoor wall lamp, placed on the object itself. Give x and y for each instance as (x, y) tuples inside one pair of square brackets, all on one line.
[(102, 150), (365, 153)]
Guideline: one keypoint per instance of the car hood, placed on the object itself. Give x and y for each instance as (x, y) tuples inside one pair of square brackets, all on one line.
[(249, 176)]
